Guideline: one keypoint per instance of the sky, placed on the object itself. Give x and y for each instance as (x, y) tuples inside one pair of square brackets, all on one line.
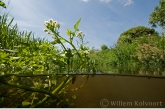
[(102, 21)]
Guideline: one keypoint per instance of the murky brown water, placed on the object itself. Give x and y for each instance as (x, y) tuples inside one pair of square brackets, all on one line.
[(119, 91)]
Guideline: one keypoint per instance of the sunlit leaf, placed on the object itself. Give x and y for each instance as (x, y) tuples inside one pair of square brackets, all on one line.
[(14, 58), (68, 32), (2, 4), (9, 50), (3, 55), (77, 24)]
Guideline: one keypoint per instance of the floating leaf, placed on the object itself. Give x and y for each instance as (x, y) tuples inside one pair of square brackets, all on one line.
[(25, 103)]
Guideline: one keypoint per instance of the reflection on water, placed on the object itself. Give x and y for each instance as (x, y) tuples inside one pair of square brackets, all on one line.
[(128, 70), (135, 70)]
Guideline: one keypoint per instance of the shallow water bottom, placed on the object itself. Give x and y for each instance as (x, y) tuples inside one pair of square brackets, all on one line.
[(119, 91)]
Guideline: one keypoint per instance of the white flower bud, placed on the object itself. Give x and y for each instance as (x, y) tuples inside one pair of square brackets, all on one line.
[(45, 30), (57, 25), (86, 52), (51, 20), (46, 23)]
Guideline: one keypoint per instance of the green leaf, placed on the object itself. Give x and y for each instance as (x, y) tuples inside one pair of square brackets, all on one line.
[(14, 58), (25, 103), (3, 55), (10, 22), (26, 44), (7, 50), (77, 24), (2, 4), (54, 81), (74, 97), (68, 32), (46, 85), (69, 53)]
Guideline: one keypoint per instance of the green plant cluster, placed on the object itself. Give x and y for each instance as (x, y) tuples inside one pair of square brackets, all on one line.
[(36, 67)]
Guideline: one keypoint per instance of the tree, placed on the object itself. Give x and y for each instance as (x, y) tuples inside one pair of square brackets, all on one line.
[(157, 17), (135, 32), (104, 47)]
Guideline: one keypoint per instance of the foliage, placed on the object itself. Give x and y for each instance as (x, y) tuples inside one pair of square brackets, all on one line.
[(147, 51), (33, 66), (124, 53), (2, 4), (151, 51), (157, 17), (136, 32), (104, 47), (117, 55)]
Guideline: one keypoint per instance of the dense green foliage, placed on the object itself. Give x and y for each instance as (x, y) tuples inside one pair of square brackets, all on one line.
[(147, 50), (104, 47), (136, 32), (157, 17), (35, 65)]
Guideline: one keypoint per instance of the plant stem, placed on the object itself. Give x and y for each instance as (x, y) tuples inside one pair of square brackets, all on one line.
[(55, 92), (27, 88)]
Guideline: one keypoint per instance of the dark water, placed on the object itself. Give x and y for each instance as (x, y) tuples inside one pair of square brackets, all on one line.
[(119, 91)]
